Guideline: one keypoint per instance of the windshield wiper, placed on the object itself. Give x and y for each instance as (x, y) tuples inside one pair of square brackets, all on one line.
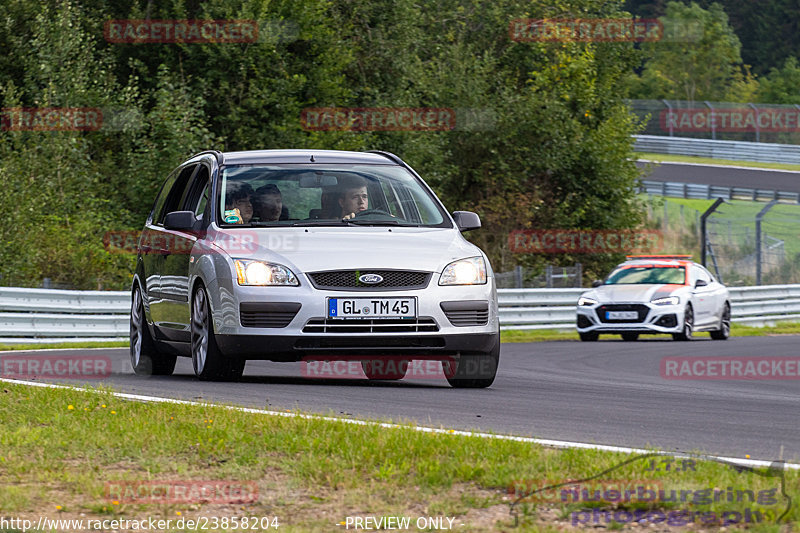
[(320, 223), (354, 222)]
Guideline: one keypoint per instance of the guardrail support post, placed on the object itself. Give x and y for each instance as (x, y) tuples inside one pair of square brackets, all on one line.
[(669, 115), (758, 129), (703, 232), (713, 120), (759, 217)]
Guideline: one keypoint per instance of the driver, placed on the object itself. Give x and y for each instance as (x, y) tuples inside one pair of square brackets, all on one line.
[(353, 198)]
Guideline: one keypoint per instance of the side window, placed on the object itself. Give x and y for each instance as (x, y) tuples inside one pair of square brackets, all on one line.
[(699, 274), (158, 206), (198, 192), (704, 275), (176, 193)]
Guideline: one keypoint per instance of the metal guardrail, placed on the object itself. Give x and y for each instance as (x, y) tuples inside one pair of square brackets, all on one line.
[(555, 308), (734, 150), (708, 192), (41, 316)]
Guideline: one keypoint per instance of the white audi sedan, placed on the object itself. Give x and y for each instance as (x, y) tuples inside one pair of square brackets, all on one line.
[(655, 294), (293, 254)]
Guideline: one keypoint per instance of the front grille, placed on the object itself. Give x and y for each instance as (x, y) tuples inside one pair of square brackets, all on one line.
[(393, 280), (641, 309), (467, 312), (267, 314), (387, 325)]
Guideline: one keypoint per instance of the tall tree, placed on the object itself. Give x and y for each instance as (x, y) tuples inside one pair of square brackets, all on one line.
[(699, 58)]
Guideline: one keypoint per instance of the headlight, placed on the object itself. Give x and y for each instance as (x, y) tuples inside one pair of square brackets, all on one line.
[(470, 271), (586, 301), (669, 300), (250, 272)]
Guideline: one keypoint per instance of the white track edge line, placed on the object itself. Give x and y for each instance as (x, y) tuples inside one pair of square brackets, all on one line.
[(543, 442)]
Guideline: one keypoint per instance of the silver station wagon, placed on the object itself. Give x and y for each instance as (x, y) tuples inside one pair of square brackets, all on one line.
[(287, 255)]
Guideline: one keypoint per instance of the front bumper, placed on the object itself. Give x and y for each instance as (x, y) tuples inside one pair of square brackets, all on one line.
[(652, 318), (293, 322)]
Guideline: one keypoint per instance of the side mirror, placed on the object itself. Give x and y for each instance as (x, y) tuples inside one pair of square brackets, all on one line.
[(700, 283), (466, 220), (180, 220), (596, 283)]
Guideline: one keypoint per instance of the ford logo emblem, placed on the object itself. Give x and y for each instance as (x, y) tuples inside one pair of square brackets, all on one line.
[(371, 279)]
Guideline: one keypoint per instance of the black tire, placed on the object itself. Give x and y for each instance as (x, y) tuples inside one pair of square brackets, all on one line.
[(590, 336), (630, 337), (724, 330), (146, 359), (389, 368), (473, 371), (209, 363), (688, 326)]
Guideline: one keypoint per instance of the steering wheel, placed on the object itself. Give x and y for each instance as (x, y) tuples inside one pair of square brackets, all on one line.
[(374, 212)]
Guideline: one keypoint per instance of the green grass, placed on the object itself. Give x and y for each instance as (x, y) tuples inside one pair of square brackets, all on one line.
[(60, 447), (76, 345), (711, 161)]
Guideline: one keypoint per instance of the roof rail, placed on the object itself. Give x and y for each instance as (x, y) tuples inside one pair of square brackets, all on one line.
[(388, 155), (665, 257), (216, 154)]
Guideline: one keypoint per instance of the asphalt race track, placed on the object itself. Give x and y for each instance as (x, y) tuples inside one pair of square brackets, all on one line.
[(609, 392), (724, 176)]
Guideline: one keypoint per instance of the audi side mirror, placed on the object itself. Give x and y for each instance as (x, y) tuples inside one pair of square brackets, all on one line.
[(466, 220)]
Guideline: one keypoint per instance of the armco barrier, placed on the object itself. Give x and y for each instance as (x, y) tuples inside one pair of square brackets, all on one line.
[(708, 192), (734, 150), (48, 316), (555, 308)]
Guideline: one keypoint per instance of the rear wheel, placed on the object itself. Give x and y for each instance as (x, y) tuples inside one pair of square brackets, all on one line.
[(473, 371), (389, 368), (688, 326), (208, 361), (589, 336), (724, 330), (146, 359), (630, 336)]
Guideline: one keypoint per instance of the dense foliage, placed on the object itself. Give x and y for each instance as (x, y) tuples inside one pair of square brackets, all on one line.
[(542, 137)]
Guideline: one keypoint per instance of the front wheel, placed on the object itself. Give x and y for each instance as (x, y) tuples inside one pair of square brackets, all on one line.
[(208, 361), (473, 371), (146, 359), (688, 326), (724, 330), (589, 336)]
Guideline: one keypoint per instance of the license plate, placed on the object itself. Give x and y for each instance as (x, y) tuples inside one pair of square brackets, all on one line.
[(621, 315), (372, 307)]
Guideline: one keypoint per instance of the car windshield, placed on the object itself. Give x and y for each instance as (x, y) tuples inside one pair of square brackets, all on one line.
[(326, 195), (647, 274)]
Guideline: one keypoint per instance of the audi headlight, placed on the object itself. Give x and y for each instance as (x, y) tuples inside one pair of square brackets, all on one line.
[(586, 301), (470, 271), (250, 272), (669, 300)]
